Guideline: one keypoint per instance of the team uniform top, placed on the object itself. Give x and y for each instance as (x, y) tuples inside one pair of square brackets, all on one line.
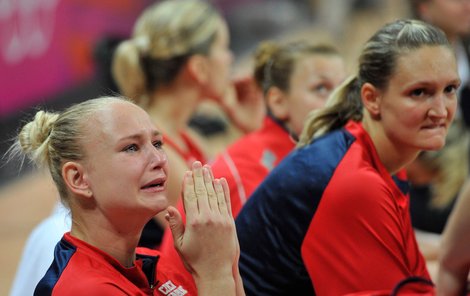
[(249, 160), (81, 269), (329, 220), (244, 164)]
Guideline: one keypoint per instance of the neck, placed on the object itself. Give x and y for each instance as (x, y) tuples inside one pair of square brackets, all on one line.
[(118, 241), (171, 107), (393, 156), (286, 126)]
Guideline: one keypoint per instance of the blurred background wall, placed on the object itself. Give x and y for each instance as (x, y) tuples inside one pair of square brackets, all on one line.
[(49, 51)]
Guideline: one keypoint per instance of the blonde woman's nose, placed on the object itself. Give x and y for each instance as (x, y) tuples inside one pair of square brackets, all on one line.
[(438, 107), (158, 158)]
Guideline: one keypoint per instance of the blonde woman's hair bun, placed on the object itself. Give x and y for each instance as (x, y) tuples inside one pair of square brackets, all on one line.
[(33, 138)]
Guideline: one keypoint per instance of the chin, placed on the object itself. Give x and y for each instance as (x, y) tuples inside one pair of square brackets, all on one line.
[(437, 145), (157, 204), (161, 205)]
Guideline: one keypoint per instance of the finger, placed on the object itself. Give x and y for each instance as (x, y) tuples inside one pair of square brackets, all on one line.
[(211, 195), (221, 201), (210, 171), (200, 188), (189, 196), (226, 189), (175, 222)]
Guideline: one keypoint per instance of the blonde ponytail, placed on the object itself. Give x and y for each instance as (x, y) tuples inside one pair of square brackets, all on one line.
[(128, 72)]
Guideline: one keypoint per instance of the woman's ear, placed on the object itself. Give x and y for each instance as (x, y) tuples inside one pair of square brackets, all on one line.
[(198, 68), (75, 179), (371, 98), (278, 103)]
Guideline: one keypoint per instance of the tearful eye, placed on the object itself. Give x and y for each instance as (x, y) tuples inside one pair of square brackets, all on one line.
[(131, 148)]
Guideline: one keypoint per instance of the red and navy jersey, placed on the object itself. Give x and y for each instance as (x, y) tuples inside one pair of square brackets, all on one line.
[(328, 220), (81, 269)]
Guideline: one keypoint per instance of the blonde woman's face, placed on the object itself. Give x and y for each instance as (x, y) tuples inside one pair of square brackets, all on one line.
[(313, 79), (220, 62), (126, 165), (419, 103)]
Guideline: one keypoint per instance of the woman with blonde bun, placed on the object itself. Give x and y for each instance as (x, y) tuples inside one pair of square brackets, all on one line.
[(106, 159)]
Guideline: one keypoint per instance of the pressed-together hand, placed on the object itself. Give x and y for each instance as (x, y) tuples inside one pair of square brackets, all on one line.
[(207, 244)]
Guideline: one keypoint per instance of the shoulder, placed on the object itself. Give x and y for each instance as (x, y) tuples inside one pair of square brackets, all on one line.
[(317, 161), (360, 183), (363, 192), (227, 167), (222, 164), (248, 147), (79, 279)]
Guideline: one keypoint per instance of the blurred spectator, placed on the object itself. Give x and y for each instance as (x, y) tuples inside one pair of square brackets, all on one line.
[(436, 179), (177, 57)]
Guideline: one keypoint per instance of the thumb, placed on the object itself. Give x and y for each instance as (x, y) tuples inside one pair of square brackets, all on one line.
[(175, 222)]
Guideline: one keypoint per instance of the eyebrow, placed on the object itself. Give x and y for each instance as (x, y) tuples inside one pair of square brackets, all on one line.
[(457, 81), (138, 136), (426, 83)]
